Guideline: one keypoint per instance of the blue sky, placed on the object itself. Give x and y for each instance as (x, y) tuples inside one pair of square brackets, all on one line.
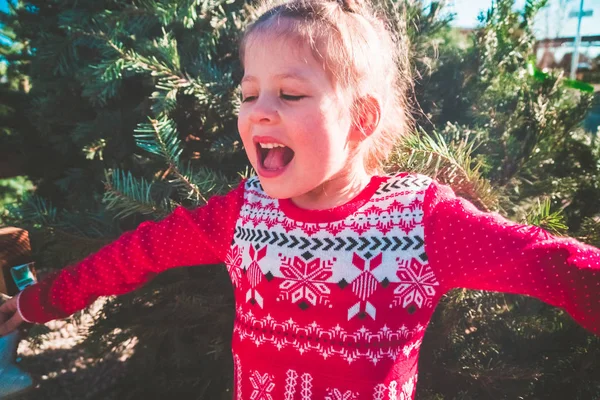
[(551, 22), (468, 10)]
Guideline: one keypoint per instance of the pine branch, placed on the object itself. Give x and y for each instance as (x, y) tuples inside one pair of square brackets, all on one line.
[(60, 53), (160, 137), (541, 216), (127, 195), (210, 181), (453, 165), (210, 89), (184, 184), (198, 183), (136, 62), (62, 237), (184, 11), (94, 150), (33, 211), (590, 231), (104, 81), (226, 145)]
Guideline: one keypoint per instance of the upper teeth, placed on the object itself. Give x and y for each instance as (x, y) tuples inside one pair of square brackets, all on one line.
[(270, 145)]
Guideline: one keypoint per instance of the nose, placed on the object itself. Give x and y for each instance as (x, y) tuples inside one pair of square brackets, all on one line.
[(264, 110)]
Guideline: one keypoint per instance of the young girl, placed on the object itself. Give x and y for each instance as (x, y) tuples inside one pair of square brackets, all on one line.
[(336, 268)]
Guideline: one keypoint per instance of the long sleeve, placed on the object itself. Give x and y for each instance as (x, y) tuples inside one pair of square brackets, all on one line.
[(484, 251), (184, 238)]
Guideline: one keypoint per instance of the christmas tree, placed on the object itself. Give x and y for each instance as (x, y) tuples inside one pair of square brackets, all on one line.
[(14, 84), (131, 111)]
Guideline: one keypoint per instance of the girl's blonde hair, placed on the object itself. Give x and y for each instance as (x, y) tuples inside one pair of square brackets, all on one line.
[(358, 51)]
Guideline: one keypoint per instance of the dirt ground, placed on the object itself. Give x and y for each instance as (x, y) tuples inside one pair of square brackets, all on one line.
[(60, 368)]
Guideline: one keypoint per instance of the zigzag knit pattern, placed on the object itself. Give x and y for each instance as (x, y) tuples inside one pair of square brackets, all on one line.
[(333, 304), (347, 295)]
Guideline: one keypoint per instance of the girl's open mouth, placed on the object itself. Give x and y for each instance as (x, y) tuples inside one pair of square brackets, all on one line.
[(273, 156)]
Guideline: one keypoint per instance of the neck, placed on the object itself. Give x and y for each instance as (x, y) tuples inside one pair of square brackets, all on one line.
[(336, 191)]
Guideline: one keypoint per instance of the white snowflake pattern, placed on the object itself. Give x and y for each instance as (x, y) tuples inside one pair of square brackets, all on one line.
[(262, 386), (417, 284), (379, 392), (305, 282), (290, 384), (336, 394), (238, 376), (306, 387), (408, 389), (286, 334), (233, 260), (393, 391)]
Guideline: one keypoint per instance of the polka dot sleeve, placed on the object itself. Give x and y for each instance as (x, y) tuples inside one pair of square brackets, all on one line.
[(184, 238), (471, 249)]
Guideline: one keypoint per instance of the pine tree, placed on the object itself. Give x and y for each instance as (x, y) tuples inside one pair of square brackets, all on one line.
[(508, 138), (151, 93), (132, 112), (14, 84)]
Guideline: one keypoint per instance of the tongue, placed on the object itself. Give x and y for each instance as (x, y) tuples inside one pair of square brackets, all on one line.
[(276, 158)]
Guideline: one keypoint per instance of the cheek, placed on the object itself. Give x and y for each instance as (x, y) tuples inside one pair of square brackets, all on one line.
[(242, 123), (314, 139), (245, 135), (322, 134), (322, 148)]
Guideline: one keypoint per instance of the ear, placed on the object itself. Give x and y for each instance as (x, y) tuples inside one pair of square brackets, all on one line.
[(368, 114)]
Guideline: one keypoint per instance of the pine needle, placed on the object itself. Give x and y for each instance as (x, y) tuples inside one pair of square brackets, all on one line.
[(454, 165), (127, 195)]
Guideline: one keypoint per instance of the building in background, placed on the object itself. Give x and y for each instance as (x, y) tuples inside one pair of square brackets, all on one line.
[(555, 28)]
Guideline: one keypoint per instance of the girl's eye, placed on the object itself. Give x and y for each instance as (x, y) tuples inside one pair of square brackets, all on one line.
[(291, 98), (287, 97)]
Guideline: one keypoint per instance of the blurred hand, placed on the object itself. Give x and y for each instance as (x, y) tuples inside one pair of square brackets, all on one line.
[(10, 319)]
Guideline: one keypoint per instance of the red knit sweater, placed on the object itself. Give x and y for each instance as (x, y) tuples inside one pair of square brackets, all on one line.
[(333, 304)]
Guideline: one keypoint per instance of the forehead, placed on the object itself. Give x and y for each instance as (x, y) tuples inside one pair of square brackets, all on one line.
[(283, 57)]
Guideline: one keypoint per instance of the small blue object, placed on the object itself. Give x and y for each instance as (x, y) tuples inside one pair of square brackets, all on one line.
[(22, 276), (12, 379)]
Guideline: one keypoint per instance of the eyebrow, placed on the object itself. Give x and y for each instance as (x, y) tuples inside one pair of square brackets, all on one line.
[(293, 76)]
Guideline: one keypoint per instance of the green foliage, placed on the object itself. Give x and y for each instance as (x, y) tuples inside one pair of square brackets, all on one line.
[(12, 191), (551, 221), (150, 94), (447, 157), (128, 195), (525, 141), (127, 109), (590, 231)]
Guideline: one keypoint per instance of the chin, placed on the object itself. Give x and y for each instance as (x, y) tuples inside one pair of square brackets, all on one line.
[(275, 190)]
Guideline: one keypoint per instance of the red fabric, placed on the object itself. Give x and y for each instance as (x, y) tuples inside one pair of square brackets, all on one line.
[(475, 250), (333, 214), (184, 238), (333, 304)]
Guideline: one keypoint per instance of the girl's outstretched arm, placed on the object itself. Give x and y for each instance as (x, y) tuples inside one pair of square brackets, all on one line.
[(471, 249), (184, 238)]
